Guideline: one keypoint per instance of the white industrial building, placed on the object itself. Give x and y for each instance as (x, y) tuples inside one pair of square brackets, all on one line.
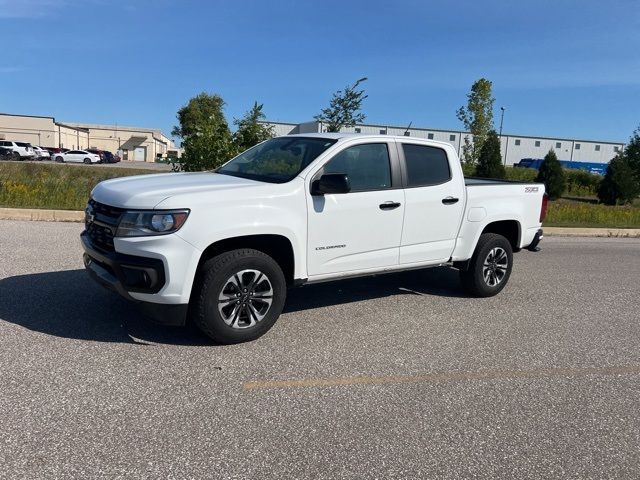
[(514, 147)]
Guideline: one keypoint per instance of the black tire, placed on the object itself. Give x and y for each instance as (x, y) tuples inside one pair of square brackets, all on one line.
[(212, 281), (87, 161), (474, 280), (59, 159), (16, 156)]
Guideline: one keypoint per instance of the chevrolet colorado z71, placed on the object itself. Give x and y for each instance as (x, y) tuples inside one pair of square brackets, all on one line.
[(222, 247)]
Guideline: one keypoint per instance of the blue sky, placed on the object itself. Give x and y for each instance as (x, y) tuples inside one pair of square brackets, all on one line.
[(560, 68)]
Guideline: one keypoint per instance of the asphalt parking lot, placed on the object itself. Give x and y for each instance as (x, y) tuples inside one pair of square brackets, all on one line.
[(399, 376)]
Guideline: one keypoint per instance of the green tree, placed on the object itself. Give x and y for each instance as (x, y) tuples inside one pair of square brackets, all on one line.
[(250, 131), (490, 160), (205, 134), (344, 108), (552, 175), (632, 153), (477, 118), (619, 185)]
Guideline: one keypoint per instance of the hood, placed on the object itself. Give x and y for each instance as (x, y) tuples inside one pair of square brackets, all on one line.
[(147, 191)]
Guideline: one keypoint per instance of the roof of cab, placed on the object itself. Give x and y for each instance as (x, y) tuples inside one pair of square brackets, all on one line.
[(347, 136)]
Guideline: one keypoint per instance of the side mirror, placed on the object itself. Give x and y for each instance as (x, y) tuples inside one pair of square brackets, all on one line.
[(331, 183)]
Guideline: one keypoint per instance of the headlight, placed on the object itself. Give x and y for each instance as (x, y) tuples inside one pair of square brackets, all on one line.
[(142, 224)]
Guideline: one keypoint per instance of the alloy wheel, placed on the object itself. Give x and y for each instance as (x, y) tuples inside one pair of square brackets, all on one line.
[(245, 298), (495, 266)]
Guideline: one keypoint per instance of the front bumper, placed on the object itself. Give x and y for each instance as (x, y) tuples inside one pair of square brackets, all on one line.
[(127, 274)]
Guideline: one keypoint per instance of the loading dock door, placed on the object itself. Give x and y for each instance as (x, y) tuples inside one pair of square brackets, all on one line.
[(140, 154)]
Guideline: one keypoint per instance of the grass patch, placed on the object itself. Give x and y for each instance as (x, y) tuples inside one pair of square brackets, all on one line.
[(581, 213), (55, 186)]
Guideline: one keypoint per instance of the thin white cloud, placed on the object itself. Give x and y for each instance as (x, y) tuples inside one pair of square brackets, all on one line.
[(10, 69), (38, 8)]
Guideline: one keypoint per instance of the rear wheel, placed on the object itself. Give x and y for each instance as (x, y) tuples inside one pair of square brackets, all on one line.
[(490, 266), (87, 161), (239, 295), (59, 159), (16, 156)]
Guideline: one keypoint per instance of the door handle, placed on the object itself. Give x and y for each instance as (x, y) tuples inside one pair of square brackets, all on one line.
[(389, 205), (450, 200)]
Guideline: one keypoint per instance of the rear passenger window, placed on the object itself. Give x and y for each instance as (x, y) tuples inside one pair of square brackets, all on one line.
[(367, 166), (425, 165)]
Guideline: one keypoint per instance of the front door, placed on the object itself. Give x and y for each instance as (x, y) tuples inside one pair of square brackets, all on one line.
[(361, 229)]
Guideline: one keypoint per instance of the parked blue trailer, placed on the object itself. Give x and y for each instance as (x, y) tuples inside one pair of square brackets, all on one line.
[(591, 167)]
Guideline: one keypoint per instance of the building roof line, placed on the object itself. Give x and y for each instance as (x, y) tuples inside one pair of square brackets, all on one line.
[(28, 116), (604, 142)]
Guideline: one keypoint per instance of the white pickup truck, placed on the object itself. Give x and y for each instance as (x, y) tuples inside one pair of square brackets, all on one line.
[(221, 248)]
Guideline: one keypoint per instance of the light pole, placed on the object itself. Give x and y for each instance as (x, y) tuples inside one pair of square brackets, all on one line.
[(502, 120)]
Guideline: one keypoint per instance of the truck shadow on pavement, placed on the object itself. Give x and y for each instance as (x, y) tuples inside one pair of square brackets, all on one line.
[(69, 304)]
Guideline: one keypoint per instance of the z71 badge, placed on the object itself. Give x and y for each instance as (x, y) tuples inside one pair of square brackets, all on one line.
[(530, 189)]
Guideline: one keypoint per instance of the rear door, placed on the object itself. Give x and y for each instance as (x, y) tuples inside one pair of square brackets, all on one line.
[(73, 156), (434, 204), (361, 229)]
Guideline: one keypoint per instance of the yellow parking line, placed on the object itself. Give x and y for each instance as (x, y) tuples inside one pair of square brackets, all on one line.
[(441, 377)]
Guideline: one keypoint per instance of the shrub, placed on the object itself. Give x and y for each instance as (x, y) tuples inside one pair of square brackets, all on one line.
[(632, 153), (619, 185), (469, 169), (521, 174), (582, 183), (490, 160), (551, 174)]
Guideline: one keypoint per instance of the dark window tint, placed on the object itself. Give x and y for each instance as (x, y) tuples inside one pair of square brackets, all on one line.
[(367, 166), (22, 144), (425, 165)]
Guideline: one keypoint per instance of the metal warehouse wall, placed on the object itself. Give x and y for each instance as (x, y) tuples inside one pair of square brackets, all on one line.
[(529, 147)]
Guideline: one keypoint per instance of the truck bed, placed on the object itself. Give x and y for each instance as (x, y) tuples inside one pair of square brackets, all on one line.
[(477, 181)]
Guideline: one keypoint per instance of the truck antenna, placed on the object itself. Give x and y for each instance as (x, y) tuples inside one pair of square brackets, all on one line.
[(405, 132)]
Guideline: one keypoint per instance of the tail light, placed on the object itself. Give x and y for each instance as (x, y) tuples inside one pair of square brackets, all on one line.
[(543, 207)]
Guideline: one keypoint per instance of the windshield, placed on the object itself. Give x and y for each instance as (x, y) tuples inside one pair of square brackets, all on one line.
[(277, 160)]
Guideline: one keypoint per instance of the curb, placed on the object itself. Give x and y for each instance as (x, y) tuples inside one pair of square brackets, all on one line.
[(41, 215), (592, 232), (78, 216)]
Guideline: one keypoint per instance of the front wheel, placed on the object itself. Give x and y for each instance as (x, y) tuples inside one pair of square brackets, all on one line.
[(490, 266), (87, 161), (238, 296)]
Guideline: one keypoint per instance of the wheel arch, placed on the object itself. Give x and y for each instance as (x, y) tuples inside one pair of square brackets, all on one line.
[(510, 229), (276, 246)]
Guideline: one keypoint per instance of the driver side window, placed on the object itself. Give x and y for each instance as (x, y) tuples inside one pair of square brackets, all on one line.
[(367, 166)]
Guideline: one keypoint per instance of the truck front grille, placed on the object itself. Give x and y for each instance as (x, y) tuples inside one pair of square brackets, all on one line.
[(101, 222)]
